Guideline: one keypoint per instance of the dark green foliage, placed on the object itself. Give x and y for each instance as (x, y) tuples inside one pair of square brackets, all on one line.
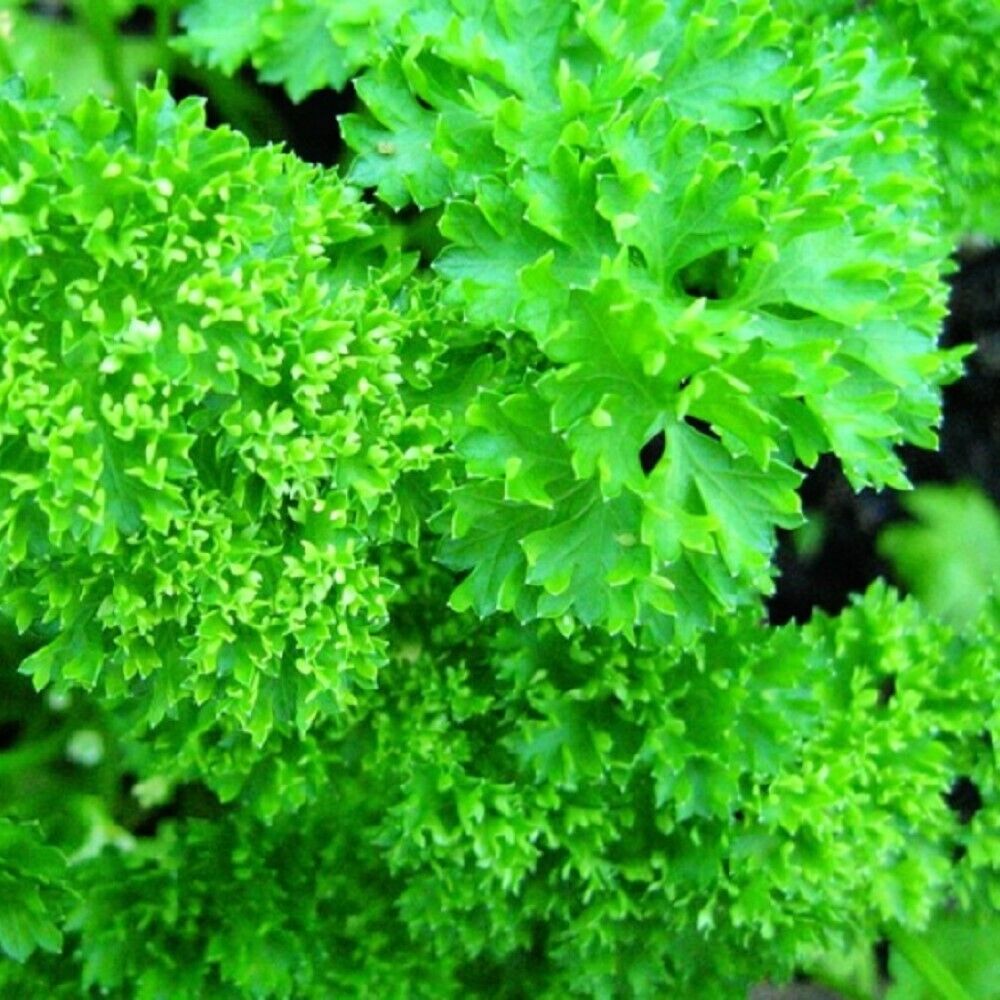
[(560, 814)]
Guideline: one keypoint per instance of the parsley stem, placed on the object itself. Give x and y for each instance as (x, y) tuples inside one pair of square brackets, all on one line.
[(101, 26), (7, 67), (930, 968), (163, 28)]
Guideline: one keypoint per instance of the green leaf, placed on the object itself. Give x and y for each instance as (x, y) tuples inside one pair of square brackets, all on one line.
[(621, 367), (591, 564), (303, 46), (509, 438), (33, 894), (394, 145), (700, 492), (949, 556), (222, 33), (812, 272), (485, 531), (495, 252), (676, 196)]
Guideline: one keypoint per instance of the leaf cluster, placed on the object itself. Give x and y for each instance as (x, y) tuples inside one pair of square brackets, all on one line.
[(693, 248), (411, 614), (203, 424), (952, 44), (557, 814)]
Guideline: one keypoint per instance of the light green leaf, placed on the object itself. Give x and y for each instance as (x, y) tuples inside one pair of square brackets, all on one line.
[(950, 555)]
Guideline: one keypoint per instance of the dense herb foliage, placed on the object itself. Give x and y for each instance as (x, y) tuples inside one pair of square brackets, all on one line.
[(33, 891), (568, 818), (303, 45), (395, 618), (307, 45), (954, 46), (204, 433), (711, 250)]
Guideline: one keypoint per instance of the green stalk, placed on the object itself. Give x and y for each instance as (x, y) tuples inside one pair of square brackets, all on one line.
[(933, 972), (7, 67), (163, 31), (101, 26)]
